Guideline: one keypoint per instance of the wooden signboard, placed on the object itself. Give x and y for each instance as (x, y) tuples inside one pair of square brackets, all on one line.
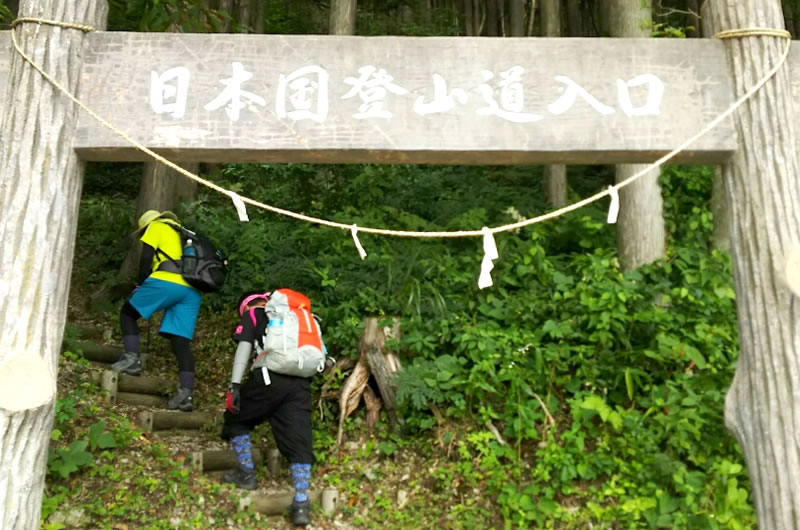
[(433, 100)]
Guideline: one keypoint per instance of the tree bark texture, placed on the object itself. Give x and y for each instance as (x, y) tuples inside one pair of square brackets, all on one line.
[(469, 18), (493, 19), (641, 232), (257, 17), (555, 181), (693, 22), (516, 18), (721, 235), (531, 19), (762, 407), (550, 16), (40, 186), (343, 17), (555, 175), (227, 6), (244, 12), (630, 19), (382, 363), (574, 19)]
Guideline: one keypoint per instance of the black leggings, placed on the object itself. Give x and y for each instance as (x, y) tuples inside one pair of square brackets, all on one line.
[(180, 345), (127, 319), (183, 352)]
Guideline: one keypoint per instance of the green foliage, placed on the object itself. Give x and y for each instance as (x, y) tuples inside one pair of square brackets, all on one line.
[(666, 30), (607, 386), (160, 15), (6, 16), (64, 459)]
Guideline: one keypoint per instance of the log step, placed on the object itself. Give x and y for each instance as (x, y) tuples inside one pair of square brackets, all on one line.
[(141, 384), (176, 433), (160, 420), (274, 503), (222, 459), (103, 353), (148, 387), (143, 400)]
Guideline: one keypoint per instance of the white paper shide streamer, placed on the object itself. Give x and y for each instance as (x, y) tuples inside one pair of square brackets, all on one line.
[(489, 255), (238, 203), (613, 208), (361, 251)]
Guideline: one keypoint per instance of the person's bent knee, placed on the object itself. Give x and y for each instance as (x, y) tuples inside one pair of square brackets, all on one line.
[(128, 316)]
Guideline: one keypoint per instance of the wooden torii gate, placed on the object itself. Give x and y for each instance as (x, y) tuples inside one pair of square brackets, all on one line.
[(247, 98)]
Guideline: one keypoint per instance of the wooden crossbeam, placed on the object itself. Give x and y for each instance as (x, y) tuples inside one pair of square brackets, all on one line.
[(432, 100)]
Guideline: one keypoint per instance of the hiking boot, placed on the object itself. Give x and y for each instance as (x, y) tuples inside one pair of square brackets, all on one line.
[(241, 477), (128, 363), (182, 400), (301, 513)]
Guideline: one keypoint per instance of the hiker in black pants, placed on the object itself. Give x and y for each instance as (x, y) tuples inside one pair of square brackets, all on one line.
[(283, 400)]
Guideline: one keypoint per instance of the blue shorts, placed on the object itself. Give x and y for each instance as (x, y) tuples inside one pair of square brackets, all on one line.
[(179, 302)]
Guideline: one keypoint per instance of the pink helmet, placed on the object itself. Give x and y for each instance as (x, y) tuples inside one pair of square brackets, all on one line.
[(250, 298)]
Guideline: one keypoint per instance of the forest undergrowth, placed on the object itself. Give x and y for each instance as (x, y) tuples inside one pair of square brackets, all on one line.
[(567, 395)]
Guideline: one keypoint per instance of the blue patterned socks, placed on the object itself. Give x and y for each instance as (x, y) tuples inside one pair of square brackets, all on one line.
[(242, 447), (301, 477)]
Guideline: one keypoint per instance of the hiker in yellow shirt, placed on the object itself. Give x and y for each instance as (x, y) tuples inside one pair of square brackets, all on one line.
[(160, 287)]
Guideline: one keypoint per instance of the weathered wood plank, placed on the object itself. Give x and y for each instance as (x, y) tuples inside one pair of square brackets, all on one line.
[(574, 96), (118, 83)]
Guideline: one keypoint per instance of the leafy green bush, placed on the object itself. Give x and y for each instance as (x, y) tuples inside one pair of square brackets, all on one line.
[(608, 386)]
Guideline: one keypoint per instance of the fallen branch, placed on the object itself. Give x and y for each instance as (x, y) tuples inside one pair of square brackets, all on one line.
[(544, 408), (495, 432)]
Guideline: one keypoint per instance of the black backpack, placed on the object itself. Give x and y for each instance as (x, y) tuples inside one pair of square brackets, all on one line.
[(202, 264)]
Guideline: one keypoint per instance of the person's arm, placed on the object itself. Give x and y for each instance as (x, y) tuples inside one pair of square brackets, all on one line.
[(145, 263), (240, 361)]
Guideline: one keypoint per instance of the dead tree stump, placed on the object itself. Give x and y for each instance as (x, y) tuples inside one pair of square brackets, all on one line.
[(375, 360), (382, 363)]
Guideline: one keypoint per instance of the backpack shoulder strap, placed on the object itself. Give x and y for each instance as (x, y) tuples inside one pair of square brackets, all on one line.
[(171, 265)]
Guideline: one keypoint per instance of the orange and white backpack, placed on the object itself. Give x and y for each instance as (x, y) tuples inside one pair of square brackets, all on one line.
[(292, 342)]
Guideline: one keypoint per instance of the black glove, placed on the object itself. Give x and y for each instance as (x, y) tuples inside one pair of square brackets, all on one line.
[(234, 399)]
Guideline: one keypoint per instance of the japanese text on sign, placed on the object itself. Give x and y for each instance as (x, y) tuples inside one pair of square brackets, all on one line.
[(304, 95)]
